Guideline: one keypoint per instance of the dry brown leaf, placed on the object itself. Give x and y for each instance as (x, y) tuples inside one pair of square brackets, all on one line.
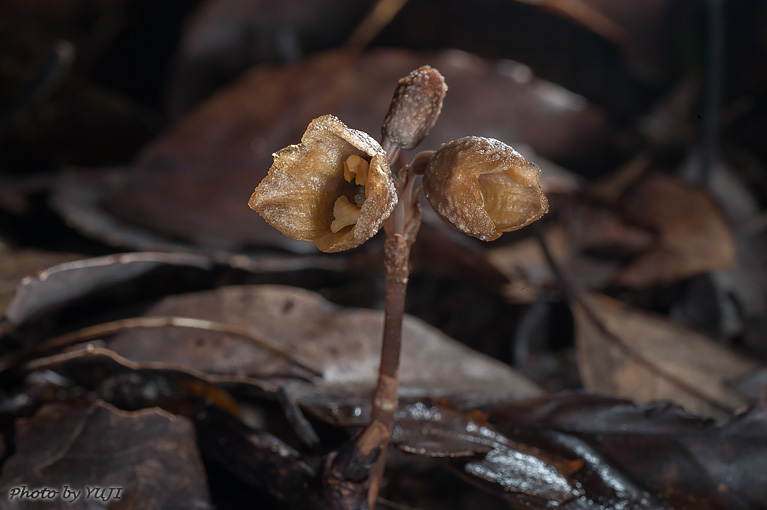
[(693, 236), (342, 344), (646, 357)]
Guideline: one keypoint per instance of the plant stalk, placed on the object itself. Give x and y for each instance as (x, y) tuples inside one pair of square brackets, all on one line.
[(385, 400), (396, 258)]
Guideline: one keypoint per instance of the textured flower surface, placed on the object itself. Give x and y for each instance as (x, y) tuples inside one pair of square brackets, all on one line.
[(334, 188), (483, 187)]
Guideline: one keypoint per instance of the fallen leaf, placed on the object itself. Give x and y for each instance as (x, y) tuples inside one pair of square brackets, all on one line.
[(135, 386), (63, 284), (256, 333), (341, 344), (690, 462), (258, 458), (15, 264), (557, 468), (646, 357), (693, 236), (149, 458)]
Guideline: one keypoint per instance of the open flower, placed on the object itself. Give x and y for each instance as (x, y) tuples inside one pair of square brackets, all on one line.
[(483, 187), (334, 189)]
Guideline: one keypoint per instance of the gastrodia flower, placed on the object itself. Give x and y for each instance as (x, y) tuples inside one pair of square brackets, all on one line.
[(483, 187), (334, 188)]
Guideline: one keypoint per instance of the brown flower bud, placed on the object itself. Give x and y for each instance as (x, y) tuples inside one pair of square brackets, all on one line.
[(415, 107), (483, 187), (334, 189)]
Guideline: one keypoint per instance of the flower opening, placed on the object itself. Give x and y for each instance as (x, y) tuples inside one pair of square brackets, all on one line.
[(334, 188)]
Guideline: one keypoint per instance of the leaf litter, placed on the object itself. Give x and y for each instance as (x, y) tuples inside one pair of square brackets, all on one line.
[(662, 280)]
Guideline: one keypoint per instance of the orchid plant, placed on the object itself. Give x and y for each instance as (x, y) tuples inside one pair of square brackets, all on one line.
[(339, 187)]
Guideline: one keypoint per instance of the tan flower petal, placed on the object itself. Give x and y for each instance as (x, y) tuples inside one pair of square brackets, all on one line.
[(483, 187), (299, 193)]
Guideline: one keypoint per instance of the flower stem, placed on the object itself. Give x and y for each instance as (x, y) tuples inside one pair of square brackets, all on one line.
[(396, 257), (385, 400)]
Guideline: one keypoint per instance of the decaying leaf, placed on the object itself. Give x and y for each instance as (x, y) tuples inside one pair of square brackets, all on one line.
[(102, 447), (691, 463), (646, 357), (341, 344), (218, 339), (63, 284), (556, 470), (258, 458), (134, 386), (636, 229), (693, 234)]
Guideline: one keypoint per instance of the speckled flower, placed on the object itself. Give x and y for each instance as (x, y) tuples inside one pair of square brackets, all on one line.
[(334, 188), (483, 187)]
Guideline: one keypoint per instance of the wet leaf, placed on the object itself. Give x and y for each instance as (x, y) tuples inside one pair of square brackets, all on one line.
[(100, 446), (134, 386), (419, 482), (646, 357), (258, 458), (15, 264), (690, 462), (559, 469), (253, 455)]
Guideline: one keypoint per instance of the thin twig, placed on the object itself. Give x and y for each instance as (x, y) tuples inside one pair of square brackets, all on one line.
[(376, 20), (110, 328)]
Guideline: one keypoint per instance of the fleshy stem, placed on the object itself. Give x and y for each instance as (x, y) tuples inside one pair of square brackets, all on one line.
[(396, 256), (414, 109)]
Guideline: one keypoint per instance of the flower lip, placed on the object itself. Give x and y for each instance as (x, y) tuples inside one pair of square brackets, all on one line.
[(484, 187), (299, 194)]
